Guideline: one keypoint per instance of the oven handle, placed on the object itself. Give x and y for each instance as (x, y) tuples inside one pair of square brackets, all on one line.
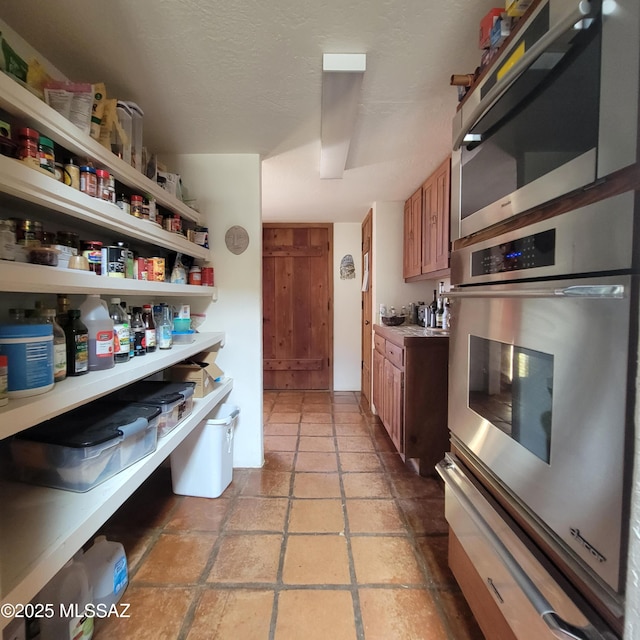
[(609, 291), (496, 92), (560, 628)]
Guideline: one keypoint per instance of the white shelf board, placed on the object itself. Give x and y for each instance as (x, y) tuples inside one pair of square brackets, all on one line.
[(42, 528), (23, 277), (22, 413), (21, 103), (20, 180)]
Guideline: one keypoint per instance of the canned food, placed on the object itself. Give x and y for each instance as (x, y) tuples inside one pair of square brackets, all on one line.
[(92, 251), (47, 156), (155, 269), (207, 276), (114, 261)]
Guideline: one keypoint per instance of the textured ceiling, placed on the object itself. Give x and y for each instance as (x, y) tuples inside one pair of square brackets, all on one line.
[(245, 77)]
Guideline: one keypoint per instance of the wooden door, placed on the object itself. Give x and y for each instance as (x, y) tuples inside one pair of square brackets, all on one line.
[(367, 312), (297, 289), (440, 240), (412, 235)]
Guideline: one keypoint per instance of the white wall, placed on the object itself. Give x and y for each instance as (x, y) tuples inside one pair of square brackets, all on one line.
[(228, 190), (347, 338)]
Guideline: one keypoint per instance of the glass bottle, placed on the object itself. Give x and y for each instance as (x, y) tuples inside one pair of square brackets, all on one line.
[(77, 337), (121, 348), (446, 314), (123, 304), (149, 328), (62, 316), (17, 316), (165, 339), (59, 345), (137, 327), (433, 310)]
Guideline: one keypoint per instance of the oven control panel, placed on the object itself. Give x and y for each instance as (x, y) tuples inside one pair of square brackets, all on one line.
[(528, 252)]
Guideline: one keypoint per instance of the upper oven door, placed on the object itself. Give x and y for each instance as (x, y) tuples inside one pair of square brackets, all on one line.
[(545, 121), (538, 392)]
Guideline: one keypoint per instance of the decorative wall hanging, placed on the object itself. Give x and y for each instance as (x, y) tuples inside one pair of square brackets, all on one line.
[(236, 239), (347, 268)]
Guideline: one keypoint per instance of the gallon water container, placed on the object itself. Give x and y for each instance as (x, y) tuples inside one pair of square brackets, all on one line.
[(202, 465), (96, 317), (106, 564), (69, 593)]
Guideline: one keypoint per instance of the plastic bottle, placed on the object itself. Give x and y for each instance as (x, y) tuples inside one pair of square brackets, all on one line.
[(59, 345), (139, 338), (68, 591), (95, 315), (123, 304), (77, 336), (106, 564), (121, 347), (165, 338), (149, 328)]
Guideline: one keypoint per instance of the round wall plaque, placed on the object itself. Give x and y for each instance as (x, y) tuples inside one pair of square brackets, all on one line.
[(236, 239)]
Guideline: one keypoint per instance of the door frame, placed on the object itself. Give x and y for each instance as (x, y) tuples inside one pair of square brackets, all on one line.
[(330, 311)]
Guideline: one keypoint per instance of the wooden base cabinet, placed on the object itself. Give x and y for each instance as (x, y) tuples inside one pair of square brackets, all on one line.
[(410, 392)]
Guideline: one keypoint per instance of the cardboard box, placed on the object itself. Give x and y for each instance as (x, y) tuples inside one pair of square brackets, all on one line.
[(516, 8), (200, 369), (486, 24)]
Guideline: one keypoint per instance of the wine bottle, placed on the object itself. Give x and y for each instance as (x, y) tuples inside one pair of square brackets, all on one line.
[(433, 310)]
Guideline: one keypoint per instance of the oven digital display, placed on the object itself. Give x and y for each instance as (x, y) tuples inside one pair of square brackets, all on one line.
[(530, 252)]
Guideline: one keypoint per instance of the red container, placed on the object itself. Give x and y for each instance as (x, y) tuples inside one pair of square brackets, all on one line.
[(486, 25), (207, 277), (141, 269)]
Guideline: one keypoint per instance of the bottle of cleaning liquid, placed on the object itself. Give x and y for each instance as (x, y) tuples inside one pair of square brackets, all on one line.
[(69, 593), (95, 316), (106, 564)]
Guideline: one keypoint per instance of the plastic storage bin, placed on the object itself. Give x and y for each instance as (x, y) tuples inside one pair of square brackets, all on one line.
[(175, 400), (202, 465), (85, 447)]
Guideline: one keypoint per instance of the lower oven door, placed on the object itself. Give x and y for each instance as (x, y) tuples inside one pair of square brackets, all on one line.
[(534, 600), (538, 392)]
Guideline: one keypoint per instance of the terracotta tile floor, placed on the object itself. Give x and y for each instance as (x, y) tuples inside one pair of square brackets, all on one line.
[(334, 538)]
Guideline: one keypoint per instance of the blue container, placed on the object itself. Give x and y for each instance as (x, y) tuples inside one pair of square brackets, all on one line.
[(29, 351)]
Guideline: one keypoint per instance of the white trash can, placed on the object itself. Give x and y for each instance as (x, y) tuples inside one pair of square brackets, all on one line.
[(202, 465)]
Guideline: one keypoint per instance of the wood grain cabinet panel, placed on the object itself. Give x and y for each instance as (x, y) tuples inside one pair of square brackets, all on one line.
[(410, 393)]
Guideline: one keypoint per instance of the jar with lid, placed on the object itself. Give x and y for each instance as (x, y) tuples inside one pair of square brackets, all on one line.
[(195, 275), (123, 202), (88, 181), (72, 174), (112, 189), (92, 251), (136, 206), (68, 239), (102, 178), (28, 150), (47, 154), (7, 240), (28, 232)]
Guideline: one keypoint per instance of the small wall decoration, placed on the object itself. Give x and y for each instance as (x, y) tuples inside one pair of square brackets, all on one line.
[(347, 268), (236, 239)]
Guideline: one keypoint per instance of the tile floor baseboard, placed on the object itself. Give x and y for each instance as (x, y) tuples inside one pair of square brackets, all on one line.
[(334, 538)]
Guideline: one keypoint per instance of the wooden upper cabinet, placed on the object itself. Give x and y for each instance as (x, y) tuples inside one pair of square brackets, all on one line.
[(426, 240), (412, 263)]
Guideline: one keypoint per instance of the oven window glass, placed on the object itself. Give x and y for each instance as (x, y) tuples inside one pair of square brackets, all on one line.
[(547, 118), (512, 388)]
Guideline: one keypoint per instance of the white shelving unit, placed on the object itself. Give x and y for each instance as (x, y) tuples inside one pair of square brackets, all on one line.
[(42, 528)]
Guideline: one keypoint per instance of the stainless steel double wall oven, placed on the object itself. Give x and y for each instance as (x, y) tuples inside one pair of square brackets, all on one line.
[(544, 321)]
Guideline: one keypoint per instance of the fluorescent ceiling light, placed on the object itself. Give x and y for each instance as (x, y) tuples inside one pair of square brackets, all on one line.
[(341, 82)]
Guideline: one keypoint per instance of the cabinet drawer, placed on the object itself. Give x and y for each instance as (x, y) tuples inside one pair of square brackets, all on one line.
[(379, 343), (395, 354)]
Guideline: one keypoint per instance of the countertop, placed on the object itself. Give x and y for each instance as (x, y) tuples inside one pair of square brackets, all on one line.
[(407, 333)]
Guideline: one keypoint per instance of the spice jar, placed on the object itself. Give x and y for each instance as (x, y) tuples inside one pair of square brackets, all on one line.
[(28, 233), (92, 251), (88, 181), (102, 177), (123, 202), (68, 239), (195, 275), (136, 206), (28, 150), (72, 174), (47, 154)]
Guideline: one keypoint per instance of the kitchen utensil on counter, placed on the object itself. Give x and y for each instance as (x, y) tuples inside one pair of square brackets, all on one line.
[(393, 321)]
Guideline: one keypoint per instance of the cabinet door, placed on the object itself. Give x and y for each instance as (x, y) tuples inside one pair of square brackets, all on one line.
[(436, 219), (393, 403), (440, 237), (412, 257), (378, 384)]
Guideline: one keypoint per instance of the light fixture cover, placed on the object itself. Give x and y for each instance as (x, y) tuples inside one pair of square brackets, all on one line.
[(341, 83)]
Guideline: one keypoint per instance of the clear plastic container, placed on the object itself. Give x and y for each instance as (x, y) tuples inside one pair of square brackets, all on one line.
[(95, 316), (82, 448), (107, 570)]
